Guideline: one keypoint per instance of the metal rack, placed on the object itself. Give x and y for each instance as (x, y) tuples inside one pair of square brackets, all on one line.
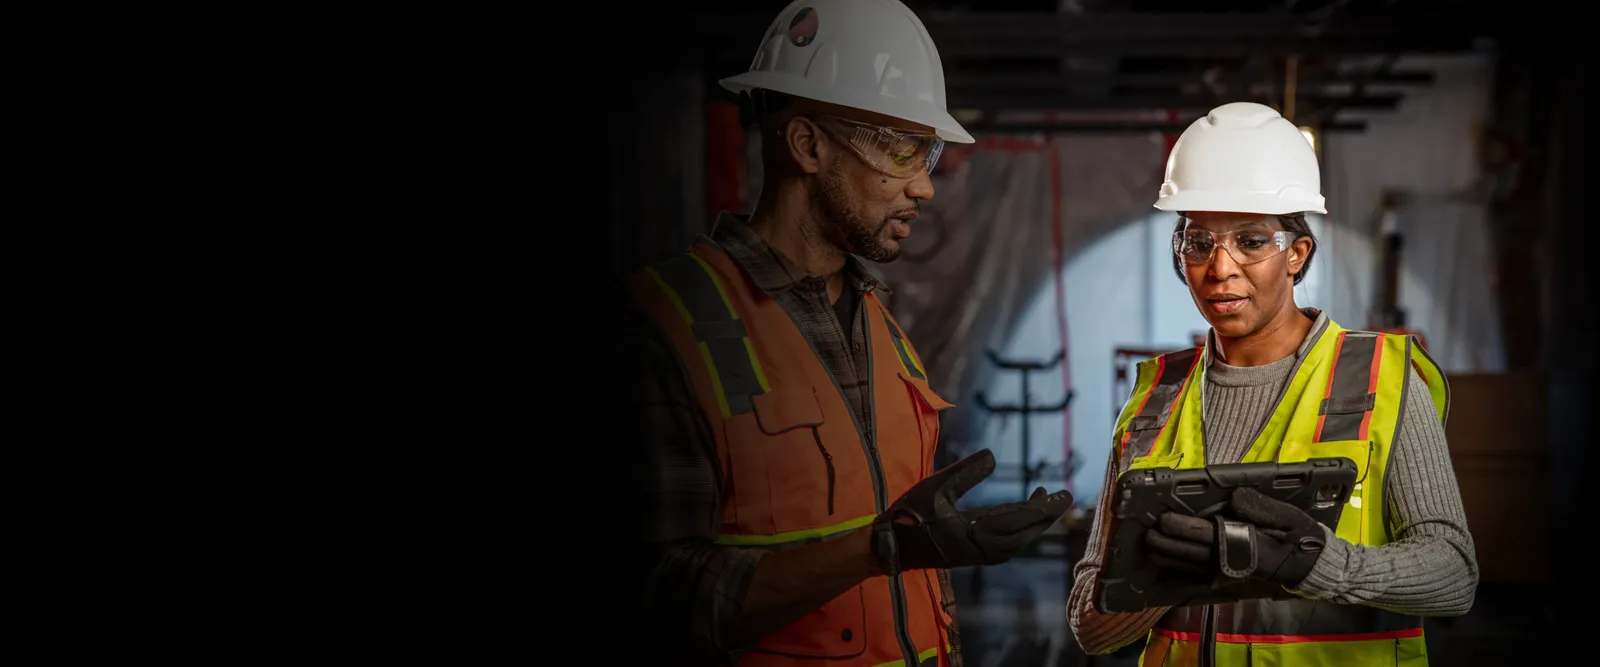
[(1026, 408)]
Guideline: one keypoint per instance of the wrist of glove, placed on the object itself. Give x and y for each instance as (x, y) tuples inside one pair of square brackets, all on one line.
[(1254, 537), (924, 529)]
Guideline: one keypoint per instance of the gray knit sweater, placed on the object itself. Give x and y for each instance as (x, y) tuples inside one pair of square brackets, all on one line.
[(1429, 569)]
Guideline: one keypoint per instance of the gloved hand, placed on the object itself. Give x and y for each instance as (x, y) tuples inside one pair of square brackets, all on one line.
[(1256, 537), (923, 529)]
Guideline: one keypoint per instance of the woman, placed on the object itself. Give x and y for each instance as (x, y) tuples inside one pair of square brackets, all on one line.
[(1275, 381)]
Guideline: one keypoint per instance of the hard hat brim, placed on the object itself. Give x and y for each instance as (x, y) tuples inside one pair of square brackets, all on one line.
[(915, 111), (1265, 203)]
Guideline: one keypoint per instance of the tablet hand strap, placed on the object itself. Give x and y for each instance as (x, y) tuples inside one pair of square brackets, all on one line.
[(1236, 547), (1286, 541)]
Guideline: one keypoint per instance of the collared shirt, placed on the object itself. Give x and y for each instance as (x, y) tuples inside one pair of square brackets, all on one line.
[(693, 580), (842, 349)]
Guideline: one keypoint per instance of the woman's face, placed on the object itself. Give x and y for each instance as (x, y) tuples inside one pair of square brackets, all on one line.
[(1249, 278)]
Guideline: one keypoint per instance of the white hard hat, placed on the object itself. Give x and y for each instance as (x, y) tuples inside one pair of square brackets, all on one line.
[(865, 54), (1242, 157)]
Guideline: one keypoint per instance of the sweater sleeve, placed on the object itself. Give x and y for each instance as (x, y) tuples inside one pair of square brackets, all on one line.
[(1430, 568), (1099, 632)]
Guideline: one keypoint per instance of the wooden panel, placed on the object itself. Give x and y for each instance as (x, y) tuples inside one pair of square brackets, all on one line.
[(1498, 442)]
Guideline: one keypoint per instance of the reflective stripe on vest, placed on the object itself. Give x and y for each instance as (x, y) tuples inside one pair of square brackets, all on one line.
[(928, 658), (796, 538), (1169, 373), (702, 301), (1344, 399), (793, 465)]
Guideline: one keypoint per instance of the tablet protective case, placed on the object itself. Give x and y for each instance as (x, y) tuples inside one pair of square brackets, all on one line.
[(1129, 582)]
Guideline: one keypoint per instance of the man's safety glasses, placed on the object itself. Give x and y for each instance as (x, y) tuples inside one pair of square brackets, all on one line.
[(1245, 246), (896, 153)]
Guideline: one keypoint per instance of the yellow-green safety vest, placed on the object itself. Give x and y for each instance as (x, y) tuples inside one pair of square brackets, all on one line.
[(1344, 400)]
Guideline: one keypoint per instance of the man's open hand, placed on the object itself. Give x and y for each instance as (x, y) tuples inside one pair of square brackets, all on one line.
[(923, 529)]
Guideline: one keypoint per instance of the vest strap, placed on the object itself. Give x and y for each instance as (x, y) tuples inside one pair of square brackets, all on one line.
[(699, 297), (1145, 422), (1352, 391), (1172, 373), (1348, 405), (908, 362)]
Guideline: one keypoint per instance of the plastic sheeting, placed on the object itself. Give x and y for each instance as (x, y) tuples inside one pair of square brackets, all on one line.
[(981, 255), (1427, 151)]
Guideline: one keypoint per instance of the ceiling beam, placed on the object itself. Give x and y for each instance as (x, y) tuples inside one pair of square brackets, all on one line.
[(1013, 81), (1036, 34), (986, 127), (1328, 111), (1046, 99), (971, 48), (1018, 81), (1111, 26)]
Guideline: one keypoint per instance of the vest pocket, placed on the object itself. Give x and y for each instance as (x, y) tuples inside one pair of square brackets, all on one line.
[(782, 477), (837, 630), (1153, 461), (1410, 652), (1352, 517), (927, 405), (1358, 451)]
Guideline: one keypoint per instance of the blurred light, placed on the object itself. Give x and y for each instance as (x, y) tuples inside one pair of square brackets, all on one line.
[(965, 116), (1310, 135)]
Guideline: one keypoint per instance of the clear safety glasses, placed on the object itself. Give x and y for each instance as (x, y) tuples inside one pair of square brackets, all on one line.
[(896, 153), (1245, 246)]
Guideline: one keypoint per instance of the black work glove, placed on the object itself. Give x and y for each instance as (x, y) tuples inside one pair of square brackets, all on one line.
[(1256, 537), (923, 529)]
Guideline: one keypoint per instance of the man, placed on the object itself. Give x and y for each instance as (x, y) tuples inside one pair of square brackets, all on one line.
[(1275, 381), (796, 516)]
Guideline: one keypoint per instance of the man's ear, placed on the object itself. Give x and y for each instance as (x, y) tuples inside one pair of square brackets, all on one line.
[(800, 139)]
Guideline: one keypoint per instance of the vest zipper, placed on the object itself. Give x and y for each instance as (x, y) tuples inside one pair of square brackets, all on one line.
[(897, 583), (897, 586), (827, 459), (1208, 638)]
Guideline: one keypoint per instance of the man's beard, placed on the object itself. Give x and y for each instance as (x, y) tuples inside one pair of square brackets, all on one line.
[(848, 228)]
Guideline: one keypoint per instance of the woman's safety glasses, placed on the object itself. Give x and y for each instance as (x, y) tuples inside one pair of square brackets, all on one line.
[(1245, 246), (896, 153)]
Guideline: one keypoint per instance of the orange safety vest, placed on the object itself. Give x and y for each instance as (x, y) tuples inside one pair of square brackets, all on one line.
[(1344, 399), (795, 467)]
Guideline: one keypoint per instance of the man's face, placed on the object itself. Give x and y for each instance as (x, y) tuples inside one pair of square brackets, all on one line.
[(1239, 298), (866, 213), (862, 210)]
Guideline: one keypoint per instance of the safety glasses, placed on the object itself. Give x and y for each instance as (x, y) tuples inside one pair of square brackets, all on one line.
[(1245, 246), (895, 153)]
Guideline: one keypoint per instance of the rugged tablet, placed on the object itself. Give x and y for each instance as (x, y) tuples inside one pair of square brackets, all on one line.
[(1130, 582)]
